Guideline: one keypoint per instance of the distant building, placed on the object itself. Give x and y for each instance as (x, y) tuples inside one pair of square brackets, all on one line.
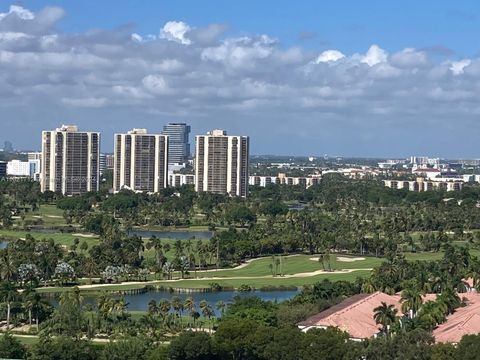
[(30, 168), (141, 161), (3, 169), (35, 155), (422, 184), (221, 163), (70, 161), (8, 146), (106, 162), (282, 179), (177, 180), (178, 142)]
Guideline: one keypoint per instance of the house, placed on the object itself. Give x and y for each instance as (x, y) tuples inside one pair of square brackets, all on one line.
[(353, 315)]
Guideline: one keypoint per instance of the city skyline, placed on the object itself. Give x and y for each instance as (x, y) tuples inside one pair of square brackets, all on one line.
[(384, 83)]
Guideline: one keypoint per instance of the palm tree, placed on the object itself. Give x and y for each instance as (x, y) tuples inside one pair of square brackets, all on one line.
[(8, 294), (152, 307), (207, 311), (432, 313), (386, 315), (450, 298), (411, 301), (157, 245), (164, 307), (368, 286), (189, 305), (177, 306), (221, 306)]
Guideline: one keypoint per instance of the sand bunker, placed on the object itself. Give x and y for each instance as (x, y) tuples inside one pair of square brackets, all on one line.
[(349, 259), (85, 235)]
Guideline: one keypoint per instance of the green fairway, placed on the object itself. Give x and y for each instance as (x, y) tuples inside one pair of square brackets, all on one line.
[(59, 238), (266, 282), (49, 215), (294, 265)]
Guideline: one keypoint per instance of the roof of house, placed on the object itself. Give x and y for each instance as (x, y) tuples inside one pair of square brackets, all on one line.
[(464, 321), (354, 315)]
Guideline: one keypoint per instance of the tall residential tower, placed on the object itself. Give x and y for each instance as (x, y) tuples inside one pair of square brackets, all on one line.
[(140, 161), (221, 163), (178, 143), (70, 161)]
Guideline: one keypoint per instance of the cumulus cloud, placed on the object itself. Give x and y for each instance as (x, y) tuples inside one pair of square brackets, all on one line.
[(19, 12), (374, 56), (329, 55), (176, 31), (211, 78), (457, 67)]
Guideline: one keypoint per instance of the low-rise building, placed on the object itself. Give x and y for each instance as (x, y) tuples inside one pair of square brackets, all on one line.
[(423, 184), (27, 169), (282, 179), (355, 315)]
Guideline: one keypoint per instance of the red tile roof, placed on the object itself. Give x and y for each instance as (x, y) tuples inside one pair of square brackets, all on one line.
[(353, 315), (464, 321)]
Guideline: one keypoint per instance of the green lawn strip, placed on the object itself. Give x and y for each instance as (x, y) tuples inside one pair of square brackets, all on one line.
[(59, 238), (267, 282), (294, 265), (50, 215), (227, 282), (27, 340)]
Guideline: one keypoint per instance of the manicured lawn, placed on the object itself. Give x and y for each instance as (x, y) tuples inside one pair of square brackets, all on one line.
[(266, 282), (293, 265), (49, 214), (27, 340), (59, 238)]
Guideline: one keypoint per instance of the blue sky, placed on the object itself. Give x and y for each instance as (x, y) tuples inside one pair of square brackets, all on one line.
[(364, 78), (350, 25)]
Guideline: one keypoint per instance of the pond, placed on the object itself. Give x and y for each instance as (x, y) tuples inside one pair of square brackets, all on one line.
[(139, 302), (180, 235), (3, 244)]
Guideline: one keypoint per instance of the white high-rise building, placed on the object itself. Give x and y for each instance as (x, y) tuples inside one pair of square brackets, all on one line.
[(221, 163), (140, 161), (70, 161)]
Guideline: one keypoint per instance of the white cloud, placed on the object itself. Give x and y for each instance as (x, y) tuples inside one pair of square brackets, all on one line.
[(156, 84), (254, 81), (19, 11), (329, 56), (457, 67), (12, 36), (374, 56), (176, 31), (408, 58), (137, 37)]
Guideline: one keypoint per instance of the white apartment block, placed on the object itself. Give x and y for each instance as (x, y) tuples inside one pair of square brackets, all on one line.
[(421, 184), (70, 161), (221, 163), (177, 180), (281, 179), (30, 168), (140, 161)]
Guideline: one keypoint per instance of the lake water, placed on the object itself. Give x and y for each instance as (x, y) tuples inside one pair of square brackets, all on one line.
[(139, 302), (181, 235), (3, 244)]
